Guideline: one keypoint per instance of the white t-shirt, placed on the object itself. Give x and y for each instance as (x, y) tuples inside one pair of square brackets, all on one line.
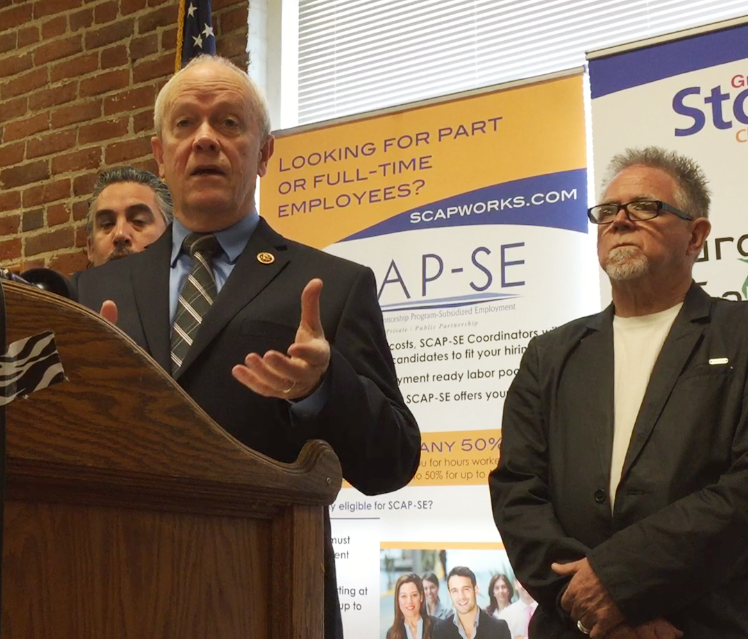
[(637, 342)]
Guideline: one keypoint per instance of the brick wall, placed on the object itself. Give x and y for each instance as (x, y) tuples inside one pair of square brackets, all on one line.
[(78, 79)]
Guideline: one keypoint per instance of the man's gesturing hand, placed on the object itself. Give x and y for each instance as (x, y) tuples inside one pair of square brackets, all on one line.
[(298, 373), (587, 600)]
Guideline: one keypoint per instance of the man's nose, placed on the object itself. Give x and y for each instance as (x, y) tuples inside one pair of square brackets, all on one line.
[(122, 233), (205, 138), (621, 219)]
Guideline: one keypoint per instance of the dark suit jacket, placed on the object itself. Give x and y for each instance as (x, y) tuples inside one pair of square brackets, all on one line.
[(676, 544), (489, 627), (258, 309)]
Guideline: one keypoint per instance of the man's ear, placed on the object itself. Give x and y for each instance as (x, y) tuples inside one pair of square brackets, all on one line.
[(266, 151), (89, 249), (699, 232), (158, 153)]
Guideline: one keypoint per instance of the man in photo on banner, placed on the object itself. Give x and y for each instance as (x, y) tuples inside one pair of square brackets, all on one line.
[(621, 492), (237, 313), (468, 620)]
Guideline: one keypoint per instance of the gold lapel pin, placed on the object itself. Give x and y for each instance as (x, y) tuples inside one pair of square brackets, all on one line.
[(265, 258)]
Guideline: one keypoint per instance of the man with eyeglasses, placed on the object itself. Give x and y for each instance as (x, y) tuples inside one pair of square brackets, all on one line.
[(622, 488)]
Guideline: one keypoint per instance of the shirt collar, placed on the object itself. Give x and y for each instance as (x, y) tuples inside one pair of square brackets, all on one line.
[(232, 239), (456, 620), (419, 628)]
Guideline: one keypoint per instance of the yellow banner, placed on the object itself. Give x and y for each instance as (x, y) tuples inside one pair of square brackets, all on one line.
[(330, 183), (457, 458)]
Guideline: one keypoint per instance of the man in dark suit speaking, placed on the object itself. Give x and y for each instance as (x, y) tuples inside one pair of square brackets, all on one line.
[(236, 313), (622, 489)]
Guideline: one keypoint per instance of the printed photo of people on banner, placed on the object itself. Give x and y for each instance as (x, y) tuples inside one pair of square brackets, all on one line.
[(444, 594)]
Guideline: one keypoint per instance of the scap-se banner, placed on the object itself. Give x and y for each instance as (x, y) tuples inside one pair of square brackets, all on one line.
[(471, 212)]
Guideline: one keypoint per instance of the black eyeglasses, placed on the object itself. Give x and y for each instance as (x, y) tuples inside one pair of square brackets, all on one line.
[(636, 211)]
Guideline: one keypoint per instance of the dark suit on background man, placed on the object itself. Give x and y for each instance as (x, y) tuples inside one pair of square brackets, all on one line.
[(684, 549), (276, 361), (672, 553)]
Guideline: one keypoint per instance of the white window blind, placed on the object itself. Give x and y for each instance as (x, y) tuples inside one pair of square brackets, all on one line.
[(360, 55)]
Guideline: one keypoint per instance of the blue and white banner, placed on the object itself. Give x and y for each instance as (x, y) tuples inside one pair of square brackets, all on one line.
[(471, 213), (690, 95)]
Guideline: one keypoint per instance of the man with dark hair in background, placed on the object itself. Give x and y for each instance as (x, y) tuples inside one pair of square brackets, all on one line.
[(621, 492), (130, 209), (468, 620), (236, 313)]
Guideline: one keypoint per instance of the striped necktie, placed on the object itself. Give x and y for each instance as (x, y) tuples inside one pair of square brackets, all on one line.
[(196, 296)]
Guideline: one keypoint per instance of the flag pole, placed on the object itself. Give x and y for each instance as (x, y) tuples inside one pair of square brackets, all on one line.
[(180, 37)]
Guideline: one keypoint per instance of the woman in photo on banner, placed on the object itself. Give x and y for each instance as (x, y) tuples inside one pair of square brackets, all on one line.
[(500, 594), (434, 606), (411, 619)]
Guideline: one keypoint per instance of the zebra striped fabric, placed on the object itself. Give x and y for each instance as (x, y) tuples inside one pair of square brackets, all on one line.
[(29, 365)]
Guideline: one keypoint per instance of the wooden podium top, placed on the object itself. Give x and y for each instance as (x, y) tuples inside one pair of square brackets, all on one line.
[(119, 430)]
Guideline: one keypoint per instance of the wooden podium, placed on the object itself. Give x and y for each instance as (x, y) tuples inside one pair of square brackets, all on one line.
[(131, 514)]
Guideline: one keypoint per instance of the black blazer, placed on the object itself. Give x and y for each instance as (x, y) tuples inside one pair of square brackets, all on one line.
[(489, 627), (676, 544), (365, 420)]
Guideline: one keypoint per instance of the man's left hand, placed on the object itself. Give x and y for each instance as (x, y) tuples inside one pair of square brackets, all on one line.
[(587, 600), (297, 374)]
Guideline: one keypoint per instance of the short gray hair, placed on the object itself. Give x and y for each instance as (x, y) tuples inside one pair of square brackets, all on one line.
[(138, 176), (257, 100), (692, 193)]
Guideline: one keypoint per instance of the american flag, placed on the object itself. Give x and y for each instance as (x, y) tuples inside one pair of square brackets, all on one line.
[(195, 31)]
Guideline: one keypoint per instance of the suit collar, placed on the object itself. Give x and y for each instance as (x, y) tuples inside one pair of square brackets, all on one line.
[(596, 349), (696, 306), (232, 240), (598, 343), (601, 321), (248, 278), (150, 282), (680, 343)]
